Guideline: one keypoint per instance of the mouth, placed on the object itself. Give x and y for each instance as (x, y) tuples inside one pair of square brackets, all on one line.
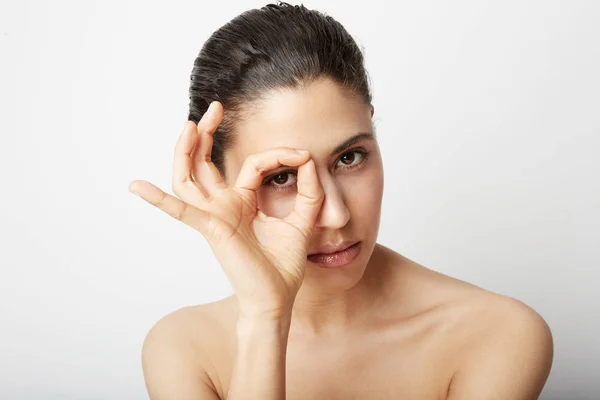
[(338, 258)]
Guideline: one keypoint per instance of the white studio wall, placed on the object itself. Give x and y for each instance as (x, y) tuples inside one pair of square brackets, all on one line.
[(488, 119)]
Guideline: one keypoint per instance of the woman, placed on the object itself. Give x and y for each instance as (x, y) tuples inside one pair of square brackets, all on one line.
[(283, 176)]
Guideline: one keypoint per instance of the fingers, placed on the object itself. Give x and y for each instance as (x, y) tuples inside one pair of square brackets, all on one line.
[(189, 215), (257, 165), (308, 199), (194, 174), (182, 183), (310, 193), (183, 148), (204, 170)]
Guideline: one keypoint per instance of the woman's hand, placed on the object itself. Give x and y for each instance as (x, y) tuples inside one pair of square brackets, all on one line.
[(263, 257)]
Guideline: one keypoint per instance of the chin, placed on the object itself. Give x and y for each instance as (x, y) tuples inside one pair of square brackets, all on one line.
[(338, 276)]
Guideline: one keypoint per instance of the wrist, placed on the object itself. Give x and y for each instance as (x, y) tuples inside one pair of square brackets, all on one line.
[(249, 324), (266, 315)]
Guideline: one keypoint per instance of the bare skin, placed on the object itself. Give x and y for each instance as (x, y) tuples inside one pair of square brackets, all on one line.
[(381, 327), (425, 329)]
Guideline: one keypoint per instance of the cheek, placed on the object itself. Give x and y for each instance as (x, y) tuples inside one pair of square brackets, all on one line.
[(276, 204), (364, 193)]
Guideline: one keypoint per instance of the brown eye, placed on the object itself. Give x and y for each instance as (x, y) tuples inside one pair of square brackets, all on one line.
[(280, 178), (347, 158), (351, 159)]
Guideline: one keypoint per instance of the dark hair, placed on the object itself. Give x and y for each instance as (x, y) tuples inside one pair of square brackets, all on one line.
[(275, 47)]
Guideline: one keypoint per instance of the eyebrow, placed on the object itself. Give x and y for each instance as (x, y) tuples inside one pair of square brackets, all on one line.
[(351, 141)]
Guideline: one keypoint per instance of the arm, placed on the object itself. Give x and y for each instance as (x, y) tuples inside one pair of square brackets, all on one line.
[(263, 257), (259, 367), (172, 368), (511, 361)]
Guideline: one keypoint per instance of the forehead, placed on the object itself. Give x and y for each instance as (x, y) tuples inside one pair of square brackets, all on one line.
[(316, 117)]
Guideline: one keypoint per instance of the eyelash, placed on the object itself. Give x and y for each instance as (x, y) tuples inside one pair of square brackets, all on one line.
[(364, 157)]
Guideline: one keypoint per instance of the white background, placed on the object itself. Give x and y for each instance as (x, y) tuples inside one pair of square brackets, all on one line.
[(488, 117)]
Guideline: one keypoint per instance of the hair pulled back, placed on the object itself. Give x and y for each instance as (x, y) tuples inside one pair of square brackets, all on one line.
[(278, 46)]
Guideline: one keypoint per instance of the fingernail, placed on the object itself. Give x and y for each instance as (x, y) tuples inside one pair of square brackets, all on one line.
[(303, 152)]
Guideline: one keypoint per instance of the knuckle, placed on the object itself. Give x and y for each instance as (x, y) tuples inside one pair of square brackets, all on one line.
[(313, 201), (316, 198), (254, 161), (176, 187), (160, 201), (284, 152), (285, 149), (204, 158), (179, 186), (303, 225), (178, 212)]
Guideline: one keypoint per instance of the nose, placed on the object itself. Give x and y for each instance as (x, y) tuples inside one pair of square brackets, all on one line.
[(333, 214)]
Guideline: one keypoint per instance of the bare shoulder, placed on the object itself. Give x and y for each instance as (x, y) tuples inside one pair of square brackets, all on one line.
[(508, 354), (502, 347), (178, 354), (430, 289)]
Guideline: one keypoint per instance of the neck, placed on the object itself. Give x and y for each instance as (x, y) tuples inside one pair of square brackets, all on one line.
[(320, 312)]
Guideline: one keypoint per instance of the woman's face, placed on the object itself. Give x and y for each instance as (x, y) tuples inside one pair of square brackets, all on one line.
[(319, 118)]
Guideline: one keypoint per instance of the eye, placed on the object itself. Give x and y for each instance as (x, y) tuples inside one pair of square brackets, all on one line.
[(351, 159), (281, 180), (286, 180)]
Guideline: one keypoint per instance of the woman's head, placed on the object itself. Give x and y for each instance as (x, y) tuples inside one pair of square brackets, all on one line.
[(261, 50), (292, 77)]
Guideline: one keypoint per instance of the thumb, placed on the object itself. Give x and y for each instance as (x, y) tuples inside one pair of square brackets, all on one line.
[(308, 200)]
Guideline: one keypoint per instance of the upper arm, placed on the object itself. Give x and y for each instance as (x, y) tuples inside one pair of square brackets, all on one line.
[(171, 364), (511, 361)]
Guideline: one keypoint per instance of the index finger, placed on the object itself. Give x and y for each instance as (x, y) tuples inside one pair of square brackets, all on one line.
[(256, 165)]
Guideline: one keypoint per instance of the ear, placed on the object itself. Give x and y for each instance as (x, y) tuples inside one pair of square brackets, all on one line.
[(372, 110)]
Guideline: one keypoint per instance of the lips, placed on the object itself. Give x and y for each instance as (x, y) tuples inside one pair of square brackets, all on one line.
[(333, 248), (341, 258)]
